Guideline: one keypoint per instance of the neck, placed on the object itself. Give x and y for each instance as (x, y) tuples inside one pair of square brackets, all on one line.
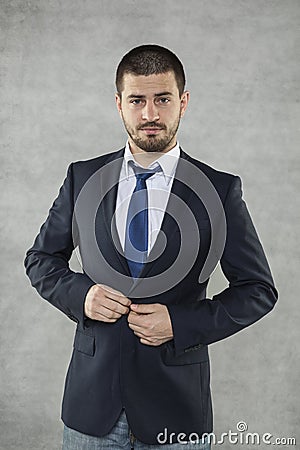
[(146, 158)]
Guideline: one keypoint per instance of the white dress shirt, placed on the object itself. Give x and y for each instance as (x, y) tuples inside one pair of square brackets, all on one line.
[(158, 188)]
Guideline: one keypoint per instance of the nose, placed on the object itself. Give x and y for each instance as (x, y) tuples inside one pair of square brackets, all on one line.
[(150, 112)]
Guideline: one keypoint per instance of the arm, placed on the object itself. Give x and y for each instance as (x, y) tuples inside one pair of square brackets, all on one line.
[(47, 261), (251, 293), (47, 265)]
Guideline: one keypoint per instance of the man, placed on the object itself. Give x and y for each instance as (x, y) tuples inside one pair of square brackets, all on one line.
[(150, 223)]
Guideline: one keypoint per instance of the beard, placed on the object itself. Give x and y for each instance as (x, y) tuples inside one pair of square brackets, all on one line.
[(153, 143)]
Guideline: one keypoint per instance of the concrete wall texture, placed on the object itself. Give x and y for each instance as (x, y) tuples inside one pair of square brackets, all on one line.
[(58, 60)]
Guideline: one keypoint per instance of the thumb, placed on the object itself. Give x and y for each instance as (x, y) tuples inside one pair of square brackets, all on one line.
[(143, 308)]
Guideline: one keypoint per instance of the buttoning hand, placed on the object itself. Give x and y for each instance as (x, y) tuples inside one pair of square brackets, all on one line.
[(151, 323), (105, 304)]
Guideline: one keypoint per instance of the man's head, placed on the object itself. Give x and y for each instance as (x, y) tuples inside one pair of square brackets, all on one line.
[(150, 60), (150, 97)]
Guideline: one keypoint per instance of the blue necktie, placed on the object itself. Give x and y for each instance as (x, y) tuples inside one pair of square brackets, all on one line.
[(136, 237)]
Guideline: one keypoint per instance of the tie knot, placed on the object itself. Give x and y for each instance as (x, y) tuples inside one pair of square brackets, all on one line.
[(143, 174)]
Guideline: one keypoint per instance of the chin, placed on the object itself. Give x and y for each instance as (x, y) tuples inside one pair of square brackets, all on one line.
[(153, 147)]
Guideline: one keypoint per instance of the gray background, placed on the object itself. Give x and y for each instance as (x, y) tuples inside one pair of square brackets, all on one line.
[(58, 60)]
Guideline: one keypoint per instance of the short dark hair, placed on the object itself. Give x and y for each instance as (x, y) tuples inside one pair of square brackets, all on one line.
[(147, 60)]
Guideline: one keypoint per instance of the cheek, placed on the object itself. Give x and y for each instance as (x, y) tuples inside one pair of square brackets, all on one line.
[(173, 113), (172, 118), (127, 118), (131, 116)]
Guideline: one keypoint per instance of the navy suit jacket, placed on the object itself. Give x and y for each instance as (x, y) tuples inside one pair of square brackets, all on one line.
[(159, 387)]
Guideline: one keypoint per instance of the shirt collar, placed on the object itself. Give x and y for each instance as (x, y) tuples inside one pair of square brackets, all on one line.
[(168, 162)]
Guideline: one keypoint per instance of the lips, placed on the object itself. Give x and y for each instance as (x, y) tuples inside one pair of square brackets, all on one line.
[(151, 130)]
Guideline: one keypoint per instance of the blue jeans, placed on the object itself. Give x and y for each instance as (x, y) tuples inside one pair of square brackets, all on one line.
[(120, 439)]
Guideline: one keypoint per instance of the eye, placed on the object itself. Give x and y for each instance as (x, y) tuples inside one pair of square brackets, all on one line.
[(163, 100), (136, 101)]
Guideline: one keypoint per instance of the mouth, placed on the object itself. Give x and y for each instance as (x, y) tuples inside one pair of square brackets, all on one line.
[(151, 130)]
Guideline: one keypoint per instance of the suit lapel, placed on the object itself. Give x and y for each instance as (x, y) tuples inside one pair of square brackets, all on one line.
[(109, 187)]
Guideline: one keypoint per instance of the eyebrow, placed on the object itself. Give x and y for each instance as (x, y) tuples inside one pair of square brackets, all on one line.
[(160, 94)]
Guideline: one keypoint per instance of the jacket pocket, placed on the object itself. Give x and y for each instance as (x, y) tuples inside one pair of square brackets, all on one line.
[(192, 355), (84, 343)]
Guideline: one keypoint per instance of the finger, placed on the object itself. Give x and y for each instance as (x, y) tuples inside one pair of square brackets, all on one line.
[(110, 314), (135, 319), (113, 305), (117, 296), (102, 317), (143, 308), (99, 310), (150, 342), (142, 335), (139, 320), (139, 331)]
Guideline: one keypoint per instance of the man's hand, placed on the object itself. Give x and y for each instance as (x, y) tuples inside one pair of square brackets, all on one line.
[(105, 304), (151, 323)]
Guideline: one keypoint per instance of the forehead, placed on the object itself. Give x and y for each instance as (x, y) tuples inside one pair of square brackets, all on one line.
[(149, 85)]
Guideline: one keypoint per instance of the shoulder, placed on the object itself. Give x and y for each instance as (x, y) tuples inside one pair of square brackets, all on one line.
[(80, 171), (222, 181), (91, 165)]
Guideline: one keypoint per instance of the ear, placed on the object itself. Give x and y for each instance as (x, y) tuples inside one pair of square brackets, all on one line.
[(119, 103), (184, 102)]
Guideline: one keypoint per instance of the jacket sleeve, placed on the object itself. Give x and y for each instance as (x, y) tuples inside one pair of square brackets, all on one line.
[(250, 295), (47, 261)]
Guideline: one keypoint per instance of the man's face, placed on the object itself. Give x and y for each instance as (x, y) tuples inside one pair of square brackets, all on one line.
[(151, 109)]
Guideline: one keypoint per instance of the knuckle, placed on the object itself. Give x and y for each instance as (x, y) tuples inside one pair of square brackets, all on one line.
[(149, 326), (117, 307), (146, 324), (109, 314), (95, 291), (105, 304), (114, 315), (124, 310), (112, 319), (123, 301)]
